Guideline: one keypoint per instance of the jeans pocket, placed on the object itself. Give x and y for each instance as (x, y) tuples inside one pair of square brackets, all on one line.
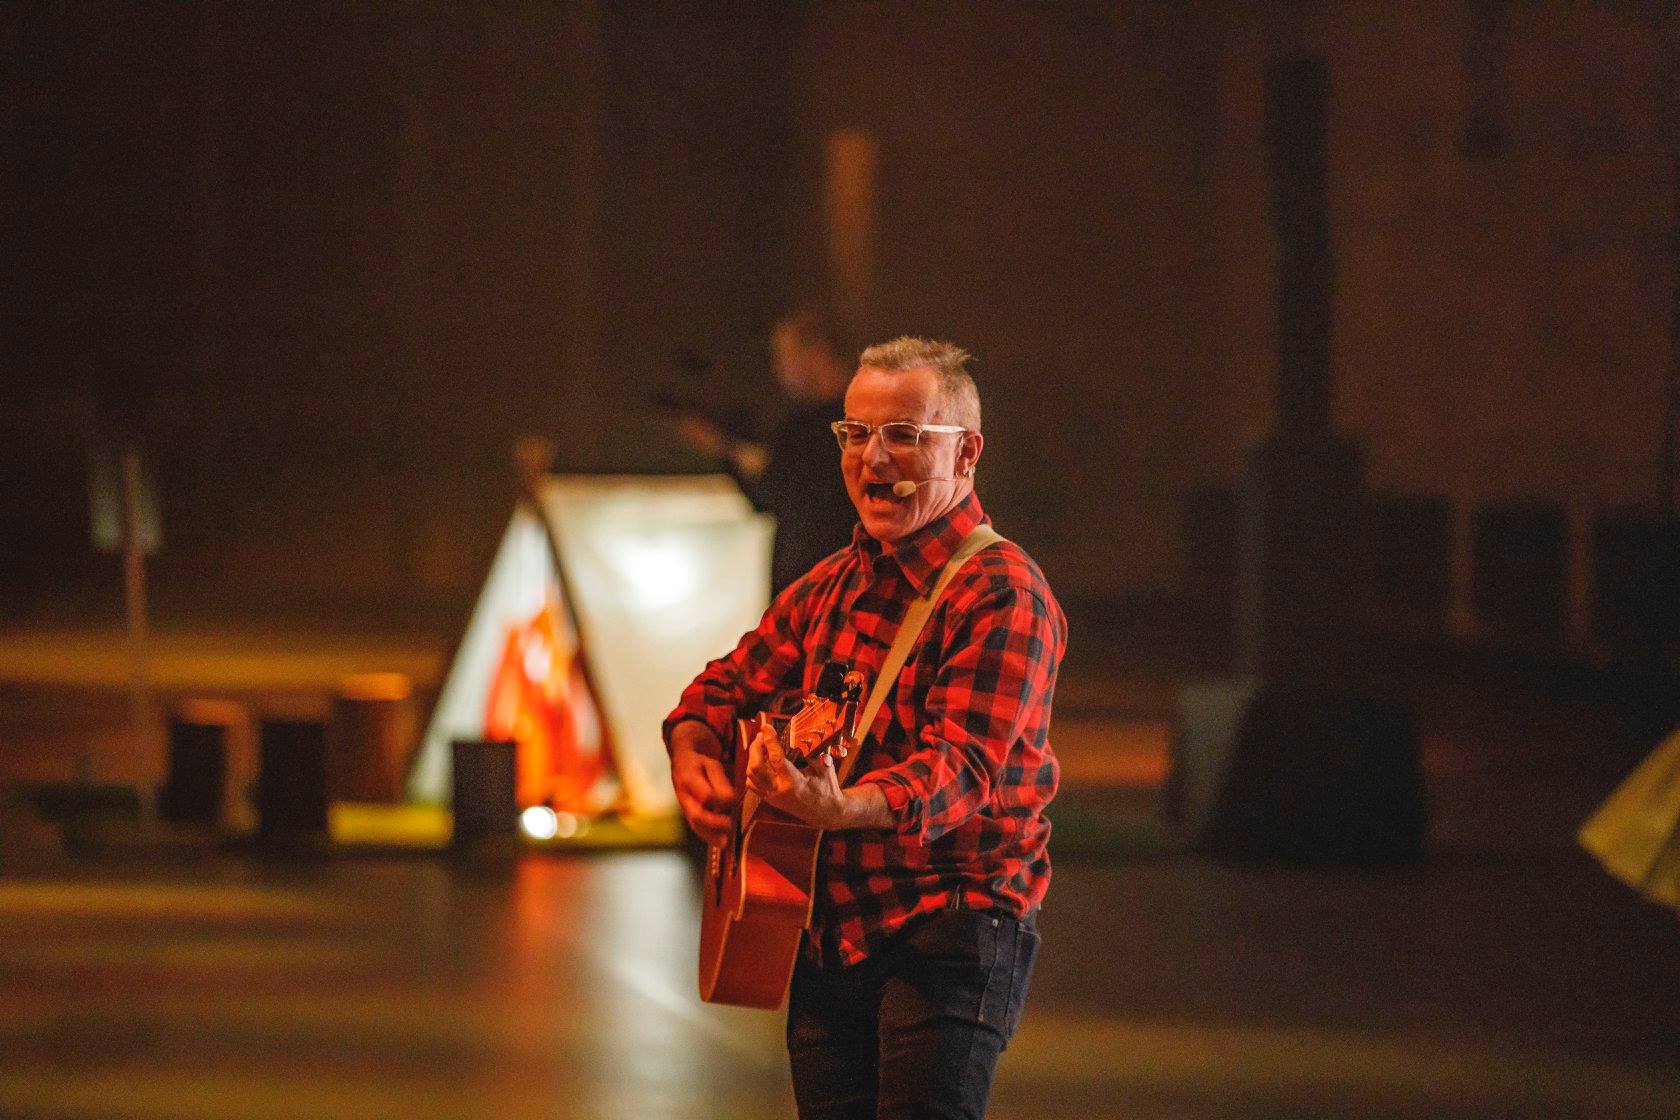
[(955, 961), (1027, 942), (968, 938)]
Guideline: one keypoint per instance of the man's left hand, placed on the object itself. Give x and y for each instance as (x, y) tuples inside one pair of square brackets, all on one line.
[(812, 794)]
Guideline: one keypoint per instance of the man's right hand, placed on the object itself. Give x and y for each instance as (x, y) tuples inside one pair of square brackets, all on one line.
[(704, 792)]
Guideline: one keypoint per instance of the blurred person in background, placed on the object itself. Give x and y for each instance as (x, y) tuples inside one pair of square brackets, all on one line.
[(791, 474)]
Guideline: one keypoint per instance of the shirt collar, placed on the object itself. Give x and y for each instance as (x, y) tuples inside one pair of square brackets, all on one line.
[(923, 554)]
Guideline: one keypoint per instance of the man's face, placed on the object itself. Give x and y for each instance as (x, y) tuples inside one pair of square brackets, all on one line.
[(875, 397)]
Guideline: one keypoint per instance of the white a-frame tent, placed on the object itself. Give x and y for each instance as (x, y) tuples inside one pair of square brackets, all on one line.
[(580, 662)]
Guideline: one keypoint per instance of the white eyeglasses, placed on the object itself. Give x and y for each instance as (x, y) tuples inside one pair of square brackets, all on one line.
[(896, 435)]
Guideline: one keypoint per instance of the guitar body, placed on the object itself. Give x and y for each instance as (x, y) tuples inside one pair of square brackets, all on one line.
[(758, 884), (757, 902)]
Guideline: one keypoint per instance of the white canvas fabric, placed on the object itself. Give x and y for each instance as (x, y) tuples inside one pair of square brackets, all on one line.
[(665, 573)]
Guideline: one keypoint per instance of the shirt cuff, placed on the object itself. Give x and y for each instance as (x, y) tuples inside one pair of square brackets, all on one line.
[(907, 808)]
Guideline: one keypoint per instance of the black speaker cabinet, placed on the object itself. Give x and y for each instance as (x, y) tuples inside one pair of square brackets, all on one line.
[(291, 779), (482, 777), (1296, 773), (198, 759)]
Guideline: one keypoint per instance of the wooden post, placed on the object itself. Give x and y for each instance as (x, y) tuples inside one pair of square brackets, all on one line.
[(583, 348), (849, 204), (1301, 485), (1295, 758), (1670, 449), (134, 599)]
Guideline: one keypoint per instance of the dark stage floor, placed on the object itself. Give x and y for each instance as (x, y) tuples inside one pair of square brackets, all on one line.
[(1504, 976), (564, 986)]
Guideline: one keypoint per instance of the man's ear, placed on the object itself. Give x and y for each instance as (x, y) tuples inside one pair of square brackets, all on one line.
[(968, 453)]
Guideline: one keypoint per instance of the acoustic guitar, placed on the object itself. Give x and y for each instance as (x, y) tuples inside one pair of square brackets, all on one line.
[(759, 880)]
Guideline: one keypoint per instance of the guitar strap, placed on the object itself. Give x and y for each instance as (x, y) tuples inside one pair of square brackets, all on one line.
[(915, 618)]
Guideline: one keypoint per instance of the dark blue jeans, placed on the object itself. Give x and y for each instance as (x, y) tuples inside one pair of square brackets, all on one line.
[(914, 1030)]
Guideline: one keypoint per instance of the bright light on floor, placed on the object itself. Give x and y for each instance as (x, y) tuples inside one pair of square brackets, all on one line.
[(539, 822)]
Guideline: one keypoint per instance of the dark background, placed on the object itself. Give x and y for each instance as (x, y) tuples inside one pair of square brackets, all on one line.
[(325, 263), (329, 261)]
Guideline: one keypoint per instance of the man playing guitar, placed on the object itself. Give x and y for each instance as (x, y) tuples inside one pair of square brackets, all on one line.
[(911, 976)]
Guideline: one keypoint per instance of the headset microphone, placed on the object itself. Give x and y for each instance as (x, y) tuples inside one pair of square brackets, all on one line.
[(906, 488)]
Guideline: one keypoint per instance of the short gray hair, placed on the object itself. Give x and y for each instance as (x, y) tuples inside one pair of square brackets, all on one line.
[(959, 400)]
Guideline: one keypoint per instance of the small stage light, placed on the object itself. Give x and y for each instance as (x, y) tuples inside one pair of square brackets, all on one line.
[(539, 822)]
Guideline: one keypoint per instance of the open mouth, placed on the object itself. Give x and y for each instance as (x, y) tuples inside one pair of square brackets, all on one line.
[(880, 491)]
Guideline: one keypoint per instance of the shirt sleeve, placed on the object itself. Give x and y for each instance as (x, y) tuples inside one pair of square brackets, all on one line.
[(767, 661), (993, 685)]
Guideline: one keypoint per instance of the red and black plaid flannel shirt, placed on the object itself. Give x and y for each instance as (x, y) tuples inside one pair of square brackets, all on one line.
[(961, 749)]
